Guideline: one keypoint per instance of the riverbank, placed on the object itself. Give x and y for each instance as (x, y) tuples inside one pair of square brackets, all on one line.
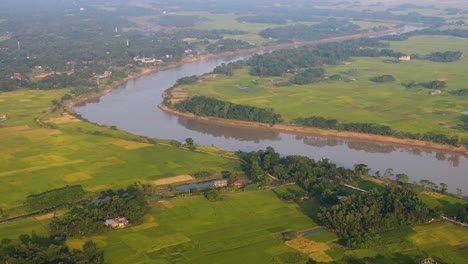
[(320, 132), (69, 104)]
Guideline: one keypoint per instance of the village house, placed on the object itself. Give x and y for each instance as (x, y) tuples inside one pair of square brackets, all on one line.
[(106, 74), (405, 58), (435, 92), (119, 222), (237, 183), (220, 183), (16, 75), (146, 59), (3, 117)]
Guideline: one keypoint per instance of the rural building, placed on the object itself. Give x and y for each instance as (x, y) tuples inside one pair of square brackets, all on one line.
[(16, 75), (146, 59), (220, 183), (3, 117), (237, 183), (119, 222), (106, 74), (405, 58), (436, 92)]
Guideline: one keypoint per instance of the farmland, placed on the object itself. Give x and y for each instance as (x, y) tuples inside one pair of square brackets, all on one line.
[(247, 226), (69, 151), (356, 99)]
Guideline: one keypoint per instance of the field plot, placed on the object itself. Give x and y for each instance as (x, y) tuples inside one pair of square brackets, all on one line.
[(36, 159), (356, 99)]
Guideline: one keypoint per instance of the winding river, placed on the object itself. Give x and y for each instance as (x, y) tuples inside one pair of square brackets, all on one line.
[(133, 107)]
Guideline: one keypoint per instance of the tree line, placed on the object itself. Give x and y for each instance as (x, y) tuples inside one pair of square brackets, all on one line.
[(206, 106), (55, 197), (376, 129)]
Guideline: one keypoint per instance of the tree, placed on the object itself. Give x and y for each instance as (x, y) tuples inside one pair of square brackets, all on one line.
[(388, 173), (443, 187), (459, 192), (402, 178), (190, 144)]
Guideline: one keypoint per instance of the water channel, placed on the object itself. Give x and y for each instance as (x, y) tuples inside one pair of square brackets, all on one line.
[(133, 107)]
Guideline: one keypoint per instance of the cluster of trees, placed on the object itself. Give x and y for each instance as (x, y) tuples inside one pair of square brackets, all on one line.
[(309, 75), (224, 45), (448, 56), (206, 106), (463, 214), (279, 62), (359, 218), (228, 69), (88, 219), (459, 92), (187, 80), (370, 128), (41, 250), (321, 178), (325, 29), (382, 78), (435, 84), (55, 197)]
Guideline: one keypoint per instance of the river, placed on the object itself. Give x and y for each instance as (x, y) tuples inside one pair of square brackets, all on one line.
[(133, 107)]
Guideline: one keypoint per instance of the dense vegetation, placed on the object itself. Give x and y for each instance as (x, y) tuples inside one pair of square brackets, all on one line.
[(89, 218), (359, 218), (448, 56), (56, 197), (369, 128), (206, 106), (41, 250), (382, 78)]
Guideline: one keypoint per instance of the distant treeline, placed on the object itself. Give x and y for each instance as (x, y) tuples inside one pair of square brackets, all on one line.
[(325, 29), (376, 129), (206, 106), (224, 45), (279, 62)]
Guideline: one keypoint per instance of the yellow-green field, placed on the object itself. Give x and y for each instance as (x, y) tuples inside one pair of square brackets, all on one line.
[(36, 159), (355, 98)]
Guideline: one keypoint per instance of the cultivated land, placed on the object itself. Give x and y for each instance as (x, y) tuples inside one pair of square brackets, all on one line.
[(247, 227), (70, 151), (355, 98)]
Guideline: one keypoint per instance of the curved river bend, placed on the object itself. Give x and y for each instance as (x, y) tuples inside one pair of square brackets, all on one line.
[(133, 107)]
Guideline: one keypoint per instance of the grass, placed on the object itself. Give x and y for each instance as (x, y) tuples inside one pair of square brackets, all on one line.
[(37, 159), (362, 100), (450, 204)]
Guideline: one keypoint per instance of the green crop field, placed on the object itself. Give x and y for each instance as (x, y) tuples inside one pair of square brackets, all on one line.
[(355, 98), (246, 227), (36, 159), (243, 226)]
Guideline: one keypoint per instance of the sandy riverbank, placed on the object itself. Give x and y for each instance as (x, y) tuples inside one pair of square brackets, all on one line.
[(321, 132)]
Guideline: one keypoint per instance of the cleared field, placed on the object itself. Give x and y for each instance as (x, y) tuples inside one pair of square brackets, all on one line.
[(36, 159), (171, 180), (355, 98)]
